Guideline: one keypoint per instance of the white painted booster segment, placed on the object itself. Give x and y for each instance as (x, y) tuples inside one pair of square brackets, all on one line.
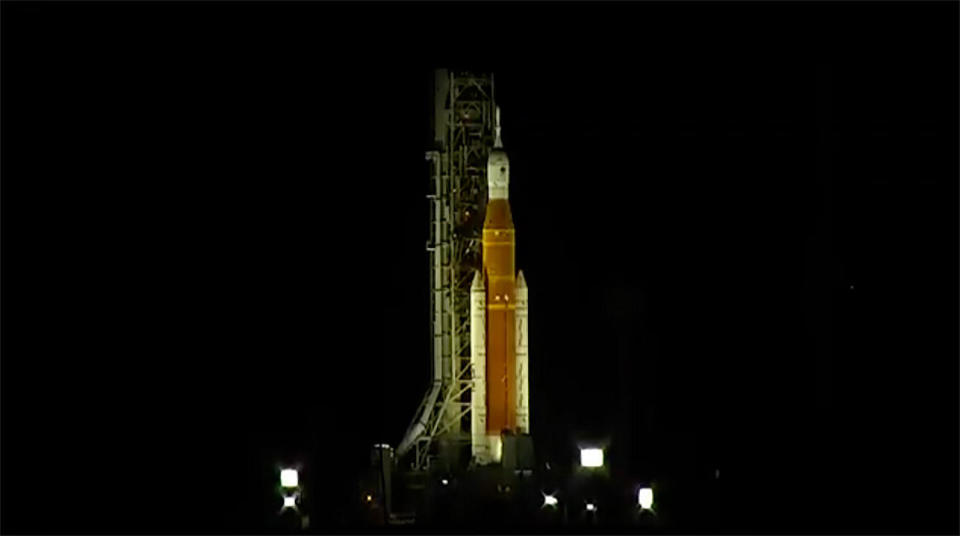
[(478, 362), (523, 360)]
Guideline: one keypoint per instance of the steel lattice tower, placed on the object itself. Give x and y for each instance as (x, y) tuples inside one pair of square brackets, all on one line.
[(463, 136)]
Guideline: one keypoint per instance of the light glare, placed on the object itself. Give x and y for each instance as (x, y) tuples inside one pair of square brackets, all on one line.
[(591, 457), (645, 498), (289, 478), (290, 501), (591, 507), (549, 500)]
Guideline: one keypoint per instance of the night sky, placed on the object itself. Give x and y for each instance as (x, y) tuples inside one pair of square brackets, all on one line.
[(738, 223)]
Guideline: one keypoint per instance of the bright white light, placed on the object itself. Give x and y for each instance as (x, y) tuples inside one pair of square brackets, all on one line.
[(591, 507), (591, 457), (645, 498), (444, 481), (290, 501), (288, 478), (549, 500)]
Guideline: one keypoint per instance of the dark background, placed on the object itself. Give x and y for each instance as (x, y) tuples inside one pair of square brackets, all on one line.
[(737, 222)]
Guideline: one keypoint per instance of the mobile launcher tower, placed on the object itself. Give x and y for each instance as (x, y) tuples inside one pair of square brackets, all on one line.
[(479, 397)]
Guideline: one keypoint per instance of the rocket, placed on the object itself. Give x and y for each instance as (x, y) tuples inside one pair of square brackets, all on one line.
[(499, 323)]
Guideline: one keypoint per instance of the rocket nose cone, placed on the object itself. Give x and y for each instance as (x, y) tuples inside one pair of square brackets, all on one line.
[(477, 280)]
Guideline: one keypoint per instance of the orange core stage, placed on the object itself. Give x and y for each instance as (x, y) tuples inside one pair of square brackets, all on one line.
[(498, 265)]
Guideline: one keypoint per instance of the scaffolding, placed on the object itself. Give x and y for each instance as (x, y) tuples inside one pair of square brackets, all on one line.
[(464, 109)]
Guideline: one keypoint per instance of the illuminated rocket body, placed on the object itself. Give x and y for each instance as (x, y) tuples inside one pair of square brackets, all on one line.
[(498, 327)]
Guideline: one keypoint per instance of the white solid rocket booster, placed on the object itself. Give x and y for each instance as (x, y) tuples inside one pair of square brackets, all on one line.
[(523, 368)]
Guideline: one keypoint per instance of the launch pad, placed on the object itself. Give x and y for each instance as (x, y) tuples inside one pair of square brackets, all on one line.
[(492, 497), (467, 458), (471, 431), (478, 394)]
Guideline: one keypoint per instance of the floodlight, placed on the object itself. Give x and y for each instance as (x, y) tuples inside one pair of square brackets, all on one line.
[(290, 501), (645, 498), (289, 478), (591, 507), (591, 457), (549, 500)]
